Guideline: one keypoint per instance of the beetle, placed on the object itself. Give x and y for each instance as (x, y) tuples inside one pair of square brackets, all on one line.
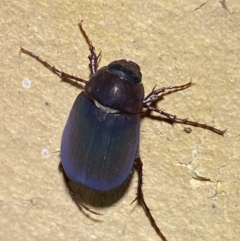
[(100, 141)]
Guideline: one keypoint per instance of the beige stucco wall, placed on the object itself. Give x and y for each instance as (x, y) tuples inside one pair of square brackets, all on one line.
[(173, 42)]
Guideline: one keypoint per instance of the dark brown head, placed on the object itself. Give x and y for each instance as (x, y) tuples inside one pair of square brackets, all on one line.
[(118, 86)]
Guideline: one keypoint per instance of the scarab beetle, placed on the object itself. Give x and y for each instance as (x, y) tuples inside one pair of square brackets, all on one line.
[(100, 141), (104, 125)]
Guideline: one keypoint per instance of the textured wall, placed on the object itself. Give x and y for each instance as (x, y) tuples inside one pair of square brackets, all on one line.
[(173, 42)]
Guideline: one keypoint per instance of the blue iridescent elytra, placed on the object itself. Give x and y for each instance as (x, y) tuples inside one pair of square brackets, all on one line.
[(101, 136)]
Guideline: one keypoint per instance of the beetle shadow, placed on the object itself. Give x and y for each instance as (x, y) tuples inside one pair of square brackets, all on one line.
[(88, 196)]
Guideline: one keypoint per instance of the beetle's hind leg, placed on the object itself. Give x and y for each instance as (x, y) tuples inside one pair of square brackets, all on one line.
[(74, 195), (140, 198)]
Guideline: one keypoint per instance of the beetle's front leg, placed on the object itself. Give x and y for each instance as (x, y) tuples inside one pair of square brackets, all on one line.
[(154, 94), (93, 57)]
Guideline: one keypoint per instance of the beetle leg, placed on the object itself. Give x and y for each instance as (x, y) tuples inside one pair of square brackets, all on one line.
[(59, 73), (93, 57), (154, 94), (74, 195), (140, 198), (173, 118)]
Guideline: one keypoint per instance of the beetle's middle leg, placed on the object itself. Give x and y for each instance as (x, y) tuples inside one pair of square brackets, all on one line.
[(56, 71), (149, 100)]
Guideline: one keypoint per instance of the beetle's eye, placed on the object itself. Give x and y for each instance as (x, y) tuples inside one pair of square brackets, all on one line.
[(126, 70), (137, 80)]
